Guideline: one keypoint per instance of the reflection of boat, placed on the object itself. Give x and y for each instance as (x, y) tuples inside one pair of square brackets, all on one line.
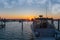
[(43, 29), (2, 24)]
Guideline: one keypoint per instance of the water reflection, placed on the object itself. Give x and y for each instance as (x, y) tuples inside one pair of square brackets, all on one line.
[(2, 33), (13, 31)]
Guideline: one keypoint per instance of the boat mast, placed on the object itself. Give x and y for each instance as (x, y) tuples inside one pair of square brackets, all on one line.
[(46, 9)]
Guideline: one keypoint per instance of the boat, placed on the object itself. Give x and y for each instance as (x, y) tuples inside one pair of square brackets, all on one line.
[(44, 29), (2, 24)]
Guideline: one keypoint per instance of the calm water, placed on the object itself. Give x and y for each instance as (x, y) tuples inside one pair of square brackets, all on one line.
[(13, 31)]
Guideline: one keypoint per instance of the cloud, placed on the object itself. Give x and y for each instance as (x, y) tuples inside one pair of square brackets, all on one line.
[(8, 3), (58, 1), (21, 2), (30, 2), (56, 8), (14, 3), (35, 2), (40, 1)]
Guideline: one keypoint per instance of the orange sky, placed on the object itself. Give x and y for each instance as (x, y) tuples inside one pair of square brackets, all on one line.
[(28, 16), (17, 17)]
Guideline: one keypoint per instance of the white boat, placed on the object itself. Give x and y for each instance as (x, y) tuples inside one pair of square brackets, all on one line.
[(45, 32), (2, 24)]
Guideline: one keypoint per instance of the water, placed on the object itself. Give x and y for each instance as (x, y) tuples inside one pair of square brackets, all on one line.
[(13, 31)]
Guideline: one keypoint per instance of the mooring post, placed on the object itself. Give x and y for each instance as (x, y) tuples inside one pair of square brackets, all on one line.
[(22, 26), (52, 21), (22, 29), (58, 24)]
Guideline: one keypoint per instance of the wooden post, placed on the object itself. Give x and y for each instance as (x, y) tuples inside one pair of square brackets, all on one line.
[(52, 21), (22, 30), (22, 26), (58, 24)]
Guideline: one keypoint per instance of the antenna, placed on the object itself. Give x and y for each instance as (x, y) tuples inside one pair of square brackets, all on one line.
[(46, 11)]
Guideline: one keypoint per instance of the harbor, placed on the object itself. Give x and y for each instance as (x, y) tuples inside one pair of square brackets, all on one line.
[(20, 30), (29, 19)]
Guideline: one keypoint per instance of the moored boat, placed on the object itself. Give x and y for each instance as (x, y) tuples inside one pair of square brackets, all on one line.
[(44, 29)]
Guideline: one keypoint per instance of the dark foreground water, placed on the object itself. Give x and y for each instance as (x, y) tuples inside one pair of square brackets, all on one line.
[(13, 31)]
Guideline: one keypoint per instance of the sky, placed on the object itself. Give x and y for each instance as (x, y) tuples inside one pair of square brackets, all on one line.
[(29, 8)]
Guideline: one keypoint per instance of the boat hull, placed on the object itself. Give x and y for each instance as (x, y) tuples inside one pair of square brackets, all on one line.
[(45, 34)]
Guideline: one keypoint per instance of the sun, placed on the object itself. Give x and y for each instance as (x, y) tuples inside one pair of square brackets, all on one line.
[(30, 17)]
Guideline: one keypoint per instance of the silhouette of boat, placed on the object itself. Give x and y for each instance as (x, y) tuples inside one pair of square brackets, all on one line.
[(43, 29)]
